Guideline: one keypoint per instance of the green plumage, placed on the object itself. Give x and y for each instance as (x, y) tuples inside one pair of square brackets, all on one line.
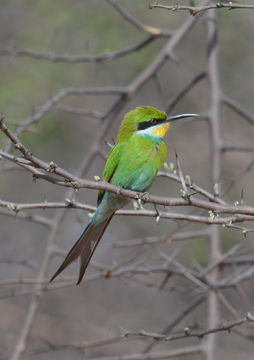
[(130, 121), (132, 164), (135, 160), (138, 161)]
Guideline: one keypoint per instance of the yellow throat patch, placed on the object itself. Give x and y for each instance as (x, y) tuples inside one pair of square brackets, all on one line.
[(161, 130)]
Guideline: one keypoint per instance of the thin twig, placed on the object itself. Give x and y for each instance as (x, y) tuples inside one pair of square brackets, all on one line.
[(194, 10), (187, 333), (76, 59)]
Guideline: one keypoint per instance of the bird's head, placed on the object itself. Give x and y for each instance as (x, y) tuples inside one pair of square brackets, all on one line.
[(147, 121)]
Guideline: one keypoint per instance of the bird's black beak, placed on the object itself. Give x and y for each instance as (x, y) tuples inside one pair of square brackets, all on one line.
[(179, 116)]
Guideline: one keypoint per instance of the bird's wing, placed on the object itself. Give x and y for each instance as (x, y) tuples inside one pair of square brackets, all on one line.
[(139, 163), (110, 167)]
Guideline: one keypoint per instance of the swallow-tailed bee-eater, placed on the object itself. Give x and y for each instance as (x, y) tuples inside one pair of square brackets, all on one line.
[(133, 162)]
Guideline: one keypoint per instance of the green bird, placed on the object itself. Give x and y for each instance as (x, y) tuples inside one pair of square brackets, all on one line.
[(133, 162)]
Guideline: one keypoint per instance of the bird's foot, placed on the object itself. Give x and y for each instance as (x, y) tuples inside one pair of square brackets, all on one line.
[(142, 198)]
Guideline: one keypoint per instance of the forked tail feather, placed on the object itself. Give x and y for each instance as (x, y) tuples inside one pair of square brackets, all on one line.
[(84, 247)]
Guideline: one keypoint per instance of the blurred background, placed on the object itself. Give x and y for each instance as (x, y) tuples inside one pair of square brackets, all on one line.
[(62, 321)]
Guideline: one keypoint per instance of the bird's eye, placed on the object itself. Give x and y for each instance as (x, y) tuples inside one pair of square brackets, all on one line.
[(154, 121)]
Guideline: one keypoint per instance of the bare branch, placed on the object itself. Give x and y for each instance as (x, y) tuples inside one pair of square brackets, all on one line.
[(160, 355), (81, 112), (161, 239), (24, 216), (184, 313), (76, 59), (189, 86), (187, 333), (235, 106), (194, 10), (135, 22), (74, 182), (227, 148)]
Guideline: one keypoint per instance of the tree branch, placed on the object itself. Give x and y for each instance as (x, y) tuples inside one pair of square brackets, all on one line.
[(194, 10), (76, 59), (187, 333)]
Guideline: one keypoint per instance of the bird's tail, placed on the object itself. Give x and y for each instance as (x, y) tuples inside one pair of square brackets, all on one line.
[(84, 247)]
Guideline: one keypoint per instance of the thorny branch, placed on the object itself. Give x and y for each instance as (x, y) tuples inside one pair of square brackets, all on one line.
[(33, 163), (194, 10), (188, 332)]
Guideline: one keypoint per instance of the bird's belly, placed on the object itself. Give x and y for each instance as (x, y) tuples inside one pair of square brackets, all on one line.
[(109, 204), (117, 201)]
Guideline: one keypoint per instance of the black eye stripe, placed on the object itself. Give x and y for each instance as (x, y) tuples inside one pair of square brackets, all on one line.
[(146, 124)]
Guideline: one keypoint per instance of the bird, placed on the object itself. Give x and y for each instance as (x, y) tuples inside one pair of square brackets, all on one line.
[(133, 162)]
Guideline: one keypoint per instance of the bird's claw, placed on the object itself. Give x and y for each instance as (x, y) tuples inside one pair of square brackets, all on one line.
[(142, 198)]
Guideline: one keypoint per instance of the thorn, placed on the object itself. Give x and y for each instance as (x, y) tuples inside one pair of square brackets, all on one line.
[(52, 167)]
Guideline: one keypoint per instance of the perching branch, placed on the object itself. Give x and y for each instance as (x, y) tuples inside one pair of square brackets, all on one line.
[(33, 164)]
